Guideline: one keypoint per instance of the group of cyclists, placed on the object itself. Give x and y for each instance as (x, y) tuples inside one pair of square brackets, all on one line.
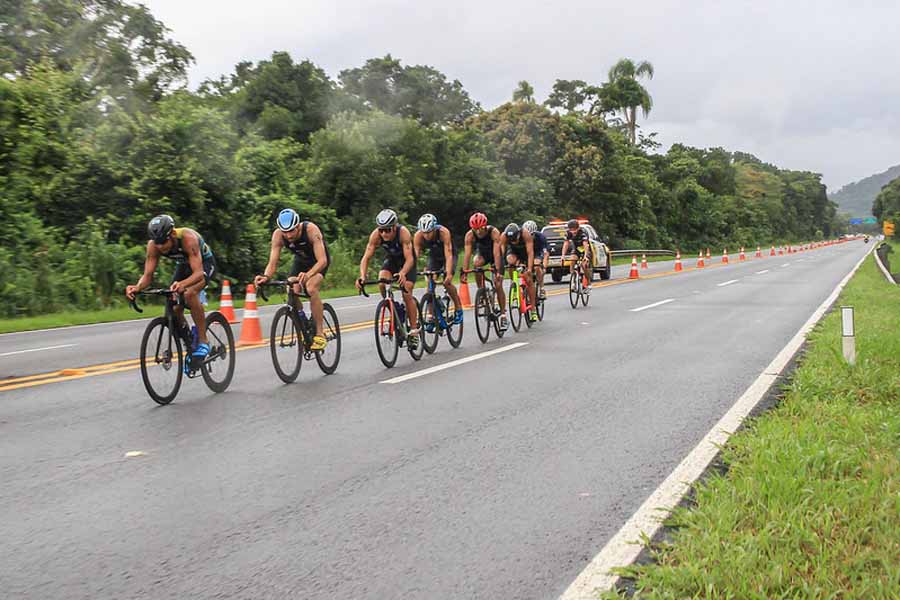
[(485, 247)]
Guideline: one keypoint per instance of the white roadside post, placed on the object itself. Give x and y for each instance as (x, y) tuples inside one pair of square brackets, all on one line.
[(848, 334)]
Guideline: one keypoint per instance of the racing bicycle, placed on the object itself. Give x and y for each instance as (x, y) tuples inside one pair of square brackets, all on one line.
[(167, 346), (435, 313), (291, 337), (392, 326), (517, 299), (579, 285), (487, 311)]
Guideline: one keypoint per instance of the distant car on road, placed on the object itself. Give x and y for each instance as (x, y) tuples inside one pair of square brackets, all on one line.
[(555, 232)]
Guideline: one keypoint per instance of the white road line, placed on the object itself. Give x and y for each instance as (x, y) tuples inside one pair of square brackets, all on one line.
[(724, 283), (660, 303), (786, 265), (762, 272), (623, 548), (453, 363), (38, 349)]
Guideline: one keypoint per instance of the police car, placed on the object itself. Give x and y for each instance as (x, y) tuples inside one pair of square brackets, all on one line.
[(555, 232)]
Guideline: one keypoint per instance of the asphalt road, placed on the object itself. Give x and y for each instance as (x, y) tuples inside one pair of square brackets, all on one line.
[(495, 478)]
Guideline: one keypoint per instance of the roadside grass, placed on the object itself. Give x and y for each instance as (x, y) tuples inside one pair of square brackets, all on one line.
[(809, 506)]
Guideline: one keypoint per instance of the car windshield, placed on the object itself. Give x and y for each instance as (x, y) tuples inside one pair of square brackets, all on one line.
[(554, 232)]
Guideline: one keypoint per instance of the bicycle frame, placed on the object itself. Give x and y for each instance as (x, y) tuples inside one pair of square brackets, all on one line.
[(519, 286), (432, 287), (289, 302)]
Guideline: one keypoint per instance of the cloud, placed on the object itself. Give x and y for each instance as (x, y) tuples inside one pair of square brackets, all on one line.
[(805, 85)]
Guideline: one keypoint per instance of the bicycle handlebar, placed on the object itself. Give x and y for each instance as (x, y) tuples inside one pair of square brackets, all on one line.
[(260, 289), (153, 292), (379, 281)]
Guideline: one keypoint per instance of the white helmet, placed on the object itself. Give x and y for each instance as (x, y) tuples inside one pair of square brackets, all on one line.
[(427, 222), (288, 219), (529, 226), (386, 218)]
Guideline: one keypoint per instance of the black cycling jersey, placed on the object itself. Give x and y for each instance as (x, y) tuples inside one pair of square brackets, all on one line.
[(485, 245), (177, 252), (578, 239), (538, 243), (393, 248), (516, 246), (435, 246), (302, 246)]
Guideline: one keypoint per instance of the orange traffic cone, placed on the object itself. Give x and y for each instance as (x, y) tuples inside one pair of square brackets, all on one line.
[(742, 258), (758, 252), (725, 256), (708, 255), (464, 295), (781, 251), (700, 263), (250, 330), (772, 253), (226, 305), (677, 261), (643, 261), (634, 269)]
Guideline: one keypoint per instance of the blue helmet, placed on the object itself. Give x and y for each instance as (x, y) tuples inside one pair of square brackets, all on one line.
[(288, 219)]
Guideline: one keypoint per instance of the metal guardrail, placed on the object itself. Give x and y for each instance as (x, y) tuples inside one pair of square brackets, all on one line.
[(647, 252)]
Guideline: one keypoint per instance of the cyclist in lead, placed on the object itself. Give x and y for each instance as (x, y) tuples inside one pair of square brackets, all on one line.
[(399, 260), (437, 240), (194, 267), (516, 243), (541, 255), (484, 241), (578, 241), (311, 260)]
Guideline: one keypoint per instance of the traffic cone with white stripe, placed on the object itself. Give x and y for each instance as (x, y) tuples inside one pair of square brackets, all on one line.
[(772, 253), (643, 261), (758, 252), (634, 268), (725, 256), (250, 330), (700, 263), (742, 257), (781, 251), (708, 255), (226, 304), (678, 261)]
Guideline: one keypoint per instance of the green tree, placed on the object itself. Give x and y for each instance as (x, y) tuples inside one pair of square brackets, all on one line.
[(523, 93), (623, 92)]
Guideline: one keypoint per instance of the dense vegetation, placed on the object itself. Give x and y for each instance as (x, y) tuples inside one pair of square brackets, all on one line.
[(886, 206), (99, 133), (857, 198)]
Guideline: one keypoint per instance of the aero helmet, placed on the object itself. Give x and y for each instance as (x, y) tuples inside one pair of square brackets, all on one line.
[(159, 228), (512, 231), (386, 218), (478, 220), (427, 222), (288, 219), (529, 226)]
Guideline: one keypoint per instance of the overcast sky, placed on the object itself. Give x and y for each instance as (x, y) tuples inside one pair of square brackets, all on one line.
[(804, 85)]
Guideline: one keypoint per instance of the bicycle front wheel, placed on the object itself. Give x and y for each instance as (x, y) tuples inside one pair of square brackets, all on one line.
[(419, 350), (574, 288), (514, 305), (495, 310), (483, 315), (540, 309), (431, 322), (329, 358), (586, 291), (161, 360), (387, 333), (454, 330), (285, 345), (218, 367)]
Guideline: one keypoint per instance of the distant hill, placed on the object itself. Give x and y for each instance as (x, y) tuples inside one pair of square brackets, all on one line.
[(856, 198)]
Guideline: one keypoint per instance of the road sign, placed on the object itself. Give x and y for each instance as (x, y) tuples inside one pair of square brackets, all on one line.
[(870, 220), (856, 221), (888, 228)]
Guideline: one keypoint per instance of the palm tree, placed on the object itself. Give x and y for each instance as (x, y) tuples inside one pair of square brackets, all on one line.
[(523, 93), (624, 93)]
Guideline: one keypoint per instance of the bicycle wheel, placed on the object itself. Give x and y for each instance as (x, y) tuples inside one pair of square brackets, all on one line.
[(454, 330), (524, 292), (574, 288), (482, 315), (514, 306), (387, 340), (218, 367), (162, 363), (285, 344), (329, 358), (420, 347), (540, 309), (495, 310), (586, 291), (431, 312)]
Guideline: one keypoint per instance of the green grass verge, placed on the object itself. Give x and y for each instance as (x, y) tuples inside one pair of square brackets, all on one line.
[(810, 504)]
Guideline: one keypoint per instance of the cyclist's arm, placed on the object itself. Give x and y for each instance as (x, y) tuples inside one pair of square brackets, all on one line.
[(408, 254), (418, 244), (192, 249), (149, 267), (448, 250), (374, 242), (274, 255), (318, 242), (467, 256), (529, 248), (498, 255), (565, 247)]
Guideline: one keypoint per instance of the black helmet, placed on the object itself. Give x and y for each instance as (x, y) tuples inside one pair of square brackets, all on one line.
[(572, 224), (512, 231), (159, 228)]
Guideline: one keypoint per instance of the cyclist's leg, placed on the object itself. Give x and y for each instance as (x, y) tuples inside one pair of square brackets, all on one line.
[(313, 285), (298, 266), (532, 293), (451, 289), (498, 284), (412, 308), (479, 277)]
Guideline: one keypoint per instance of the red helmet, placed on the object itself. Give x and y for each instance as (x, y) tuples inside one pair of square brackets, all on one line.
[(478, 220)]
